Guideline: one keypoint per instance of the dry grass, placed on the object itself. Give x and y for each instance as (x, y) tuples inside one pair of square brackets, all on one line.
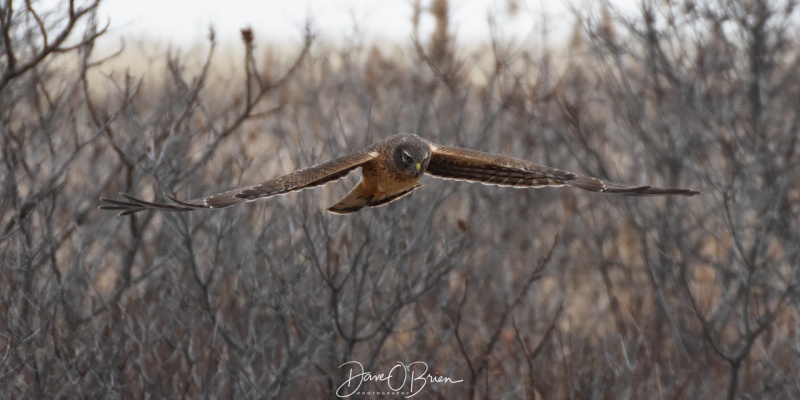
[(519, 293)]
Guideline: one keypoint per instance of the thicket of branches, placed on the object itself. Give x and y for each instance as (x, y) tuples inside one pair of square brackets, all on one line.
[(550, 293)]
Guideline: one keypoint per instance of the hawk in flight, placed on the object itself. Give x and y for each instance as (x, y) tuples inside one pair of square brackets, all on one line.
[(390, 170)]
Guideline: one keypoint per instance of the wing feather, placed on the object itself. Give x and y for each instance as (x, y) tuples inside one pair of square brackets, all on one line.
[(495, 169), (302, 179)]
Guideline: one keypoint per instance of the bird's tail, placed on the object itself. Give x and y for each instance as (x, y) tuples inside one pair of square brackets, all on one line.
[(360, 197)]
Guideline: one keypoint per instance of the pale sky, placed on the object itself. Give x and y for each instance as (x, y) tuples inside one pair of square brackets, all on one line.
[(185, 22)]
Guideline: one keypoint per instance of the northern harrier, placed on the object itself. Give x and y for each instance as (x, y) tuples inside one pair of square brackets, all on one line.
[(391, 169)]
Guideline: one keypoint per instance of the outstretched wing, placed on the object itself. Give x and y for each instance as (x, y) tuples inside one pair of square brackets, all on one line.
[(305, 178), (495, 169)]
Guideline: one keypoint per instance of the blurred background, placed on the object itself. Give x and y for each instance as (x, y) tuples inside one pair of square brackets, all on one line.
[(535, 294), (183, 21)]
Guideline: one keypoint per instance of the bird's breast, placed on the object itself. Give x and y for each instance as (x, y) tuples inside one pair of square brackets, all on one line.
[(384, 178)]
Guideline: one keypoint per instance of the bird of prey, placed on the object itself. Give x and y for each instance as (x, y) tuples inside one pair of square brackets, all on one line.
[(392, 169)]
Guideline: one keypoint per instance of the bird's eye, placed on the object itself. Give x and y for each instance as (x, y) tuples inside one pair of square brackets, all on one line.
[(407, 158)]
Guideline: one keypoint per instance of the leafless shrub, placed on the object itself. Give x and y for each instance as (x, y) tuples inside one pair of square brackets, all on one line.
[(516, 294)]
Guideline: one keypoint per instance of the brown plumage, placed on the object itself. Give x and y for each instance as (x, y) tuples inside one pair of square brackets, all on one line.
[(391, 169)]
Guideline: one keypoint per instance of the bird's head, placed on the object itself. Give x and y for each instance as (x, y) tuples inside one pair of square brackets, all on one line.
[(412, 157)]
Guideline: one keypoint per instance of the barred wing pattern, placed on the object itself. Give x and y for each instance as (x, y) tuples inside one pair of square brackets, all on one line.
[(392, 169), (305, 178), (494, 169)]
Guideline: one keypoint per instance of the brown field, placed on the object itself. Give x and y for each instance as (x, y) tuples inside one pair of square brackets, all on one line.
[(534, 294)]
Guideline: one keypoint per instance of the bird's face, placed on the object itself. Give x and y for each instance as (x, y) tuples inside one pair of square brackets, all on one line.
[(412, 158)]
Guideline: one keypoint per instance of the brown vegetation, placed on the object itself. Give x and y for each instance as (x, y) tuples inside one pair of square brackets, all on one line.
[(519, 293)]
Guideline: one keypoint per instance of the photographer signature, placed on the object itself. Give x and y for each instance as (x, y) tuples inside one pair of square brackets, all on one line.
[(414, 374)]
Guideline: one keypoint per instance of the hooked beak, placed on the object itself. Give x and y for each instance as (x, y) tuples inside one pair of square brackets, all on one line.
[(418, 166)]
